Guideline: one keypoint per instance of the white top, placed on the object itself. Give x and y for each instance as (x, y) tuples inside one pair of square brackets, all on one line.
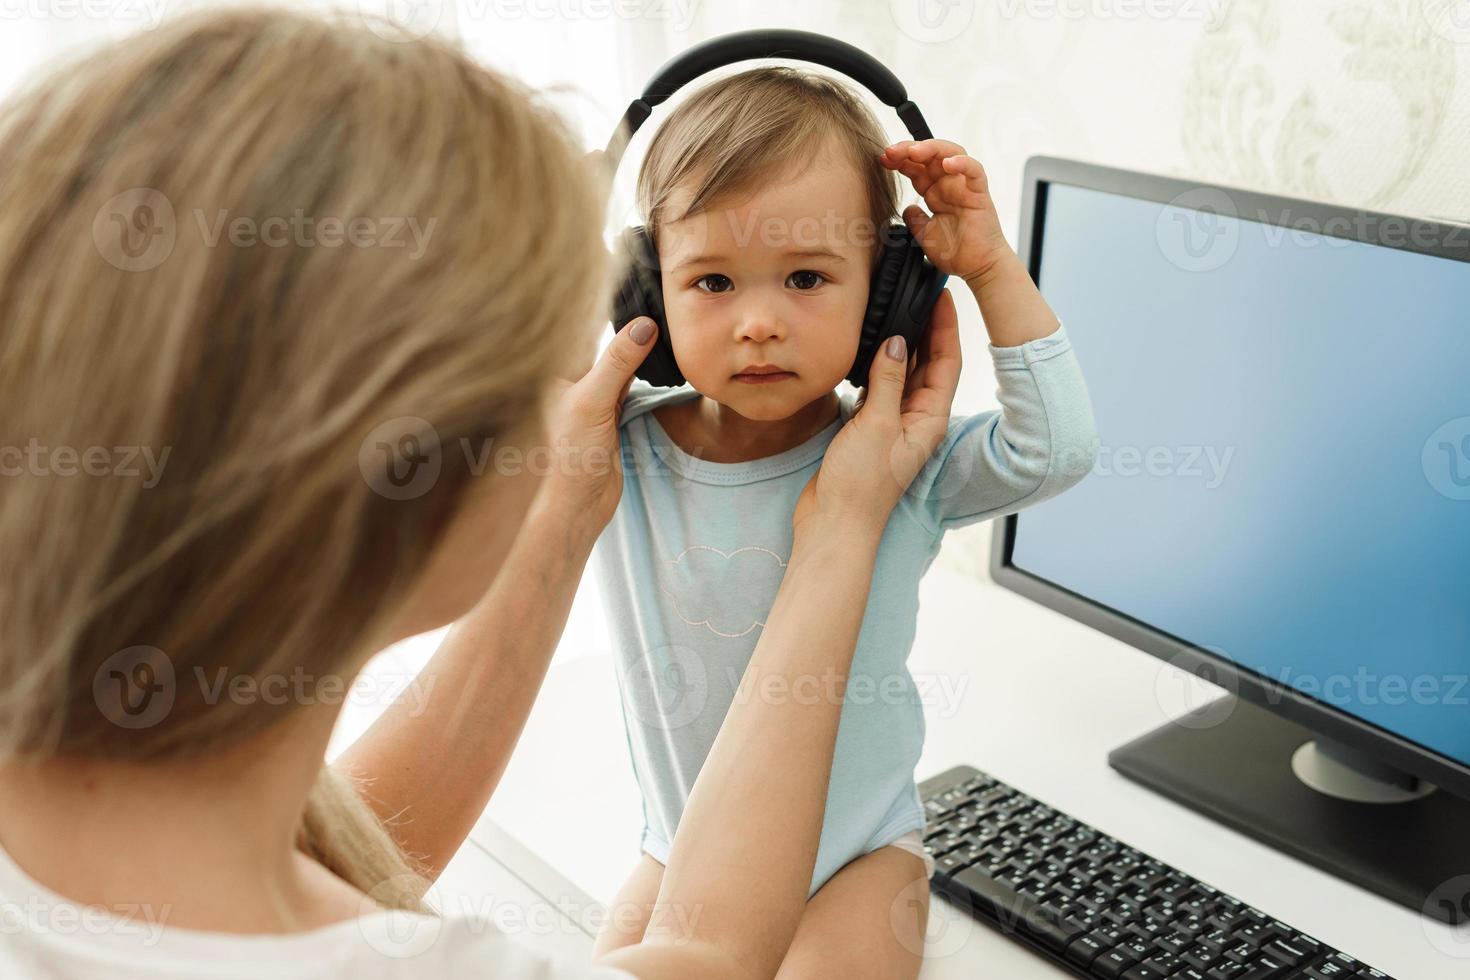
[(43, 935)]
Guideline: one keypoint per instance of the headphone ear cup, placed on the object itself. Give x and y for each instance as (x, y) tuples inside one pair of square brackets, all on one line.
[(901, 297), (641, 293)]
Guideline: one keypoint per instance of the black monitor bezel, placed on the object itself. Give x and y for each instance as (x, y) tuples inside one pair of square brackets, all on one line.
[(1424, 236)]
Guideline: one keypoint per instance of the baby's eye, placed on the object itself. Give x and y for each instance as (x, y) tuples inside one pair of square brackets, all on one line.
[(806, 280), (719, 283)]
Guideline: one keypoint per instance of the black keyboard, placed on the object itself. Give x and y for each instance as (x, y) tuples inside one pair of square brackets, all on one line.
[(1092, 904)]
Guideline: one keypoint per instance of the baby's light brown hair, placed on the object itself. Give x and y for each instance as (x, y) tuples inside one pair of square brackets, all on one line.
[(739, 133)]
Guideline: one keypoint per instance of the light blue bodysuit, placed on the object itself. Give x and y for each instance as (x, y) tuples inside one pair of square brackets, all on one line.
[(691, 562)]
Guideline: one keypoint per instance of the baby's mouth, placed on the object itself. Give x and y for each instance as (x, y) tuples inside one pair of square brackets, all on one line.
[(763, 374)]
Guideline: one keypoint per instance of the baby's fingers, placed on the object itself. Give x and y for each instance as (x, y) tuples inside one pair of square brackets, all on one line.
[(970, 169), (923, 151)]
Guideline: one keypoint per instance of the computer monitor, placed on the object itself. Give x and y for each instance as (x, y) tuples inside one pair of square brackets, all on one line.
[(1280, 505)]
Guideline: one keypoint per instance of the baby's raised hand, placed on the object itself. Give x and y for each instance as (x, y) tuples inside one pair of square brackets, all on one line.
[(962, 234)]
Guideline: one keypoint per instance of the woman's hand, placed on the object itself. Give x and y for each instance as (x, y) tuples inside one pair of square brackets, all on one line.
[(902, 418), (962, 236), (586, 480)]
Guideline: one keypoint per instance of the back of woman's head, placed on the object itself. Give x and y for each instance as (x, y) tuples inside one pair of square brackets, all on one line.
[(230, 250)]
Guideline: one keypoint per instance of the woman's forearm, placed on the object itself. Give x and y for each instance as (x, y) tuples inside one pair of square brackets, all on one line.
[(742, 859), (429, 764)]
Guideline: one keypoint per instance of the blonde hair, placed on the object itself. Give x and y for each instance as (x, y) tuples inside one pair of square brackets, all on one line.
[(741, 132), (260, 369)]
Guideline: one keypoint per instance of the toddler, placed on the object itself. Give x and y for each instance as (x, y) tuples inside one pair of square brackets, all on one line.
[(763, 193)]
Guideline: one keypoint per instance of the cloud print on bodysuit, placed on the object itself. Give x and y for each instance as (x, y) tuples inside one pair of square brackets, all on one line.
[(728, 593)]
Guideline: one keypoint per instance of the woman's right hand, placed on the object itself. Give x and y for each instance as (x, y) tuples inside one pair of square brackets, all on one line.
[(902, 418)]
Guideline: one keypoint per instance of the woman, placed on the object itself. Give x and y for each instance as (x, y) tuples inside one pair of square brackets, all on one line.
[(198, 269)]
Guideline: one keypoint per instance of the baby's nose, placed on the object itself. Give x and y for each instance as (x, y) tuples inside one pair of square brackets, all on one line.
[(760, 325)]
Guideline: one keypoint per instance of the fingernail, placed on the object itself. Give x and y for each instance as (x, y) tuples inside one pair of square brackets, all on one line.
[(642, 331), (896, 347)]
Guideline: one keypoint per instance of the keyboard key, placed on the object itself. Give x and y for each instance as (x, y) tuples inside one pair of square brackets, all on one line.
[(1084, 949), (1287, 953), (1199, 958), (1243, 953), (1164, 963), (1257, 935), (1225, 970), (950, 863), (1053, 927), (1264, 968), (1111, 964)]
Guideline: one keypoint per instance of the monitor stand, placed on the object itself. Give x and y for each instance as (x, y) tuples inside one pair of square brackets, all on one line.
[(1319, 801)]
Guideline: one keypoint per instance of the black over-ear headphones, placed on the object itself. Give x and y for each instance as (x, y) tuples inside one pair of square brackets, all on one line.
[(905, 284)]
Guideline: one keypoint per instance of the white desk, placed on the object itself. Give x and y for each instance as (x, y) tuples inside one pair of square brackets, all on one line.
[(1041, 701)]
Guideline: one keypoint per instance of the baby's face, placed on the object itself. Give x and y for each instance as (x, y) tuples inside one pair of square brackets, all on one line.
[(778, 280)]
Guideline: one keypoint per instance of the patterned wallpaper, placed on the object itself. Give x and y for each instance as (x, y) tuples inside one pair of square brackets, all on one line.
[(1360, 102)]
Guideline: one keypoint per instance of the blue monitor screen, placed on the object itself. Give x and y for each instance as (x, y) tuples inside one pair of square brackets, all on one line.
[(1283, 473)]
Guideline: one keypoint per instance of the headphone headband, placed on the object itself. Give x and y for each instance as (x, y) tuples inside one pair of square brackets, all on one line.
[(728, 49)]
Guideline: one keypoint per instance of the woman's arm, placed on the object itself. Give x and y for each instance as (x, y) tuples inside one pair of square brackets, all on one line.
[(741, 864), (428, 768)]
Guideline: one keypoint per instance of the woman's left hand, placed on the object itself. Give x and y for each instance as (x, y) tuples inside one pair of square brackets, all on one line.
[(586, 479), (902, 417)]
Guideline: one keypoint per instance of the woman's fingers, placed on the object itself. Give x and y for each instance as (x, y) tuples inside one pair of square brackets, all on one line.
[(609, 379), (886, 375), (933, 387)]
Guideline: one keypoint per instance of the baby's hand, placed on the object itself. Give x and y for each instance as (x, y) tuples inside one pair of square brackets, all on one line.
[(962, 236)]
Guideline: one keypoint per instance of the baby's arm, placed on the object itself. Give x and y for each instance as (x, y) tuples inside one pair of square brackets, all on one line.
[(1043, 439)]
